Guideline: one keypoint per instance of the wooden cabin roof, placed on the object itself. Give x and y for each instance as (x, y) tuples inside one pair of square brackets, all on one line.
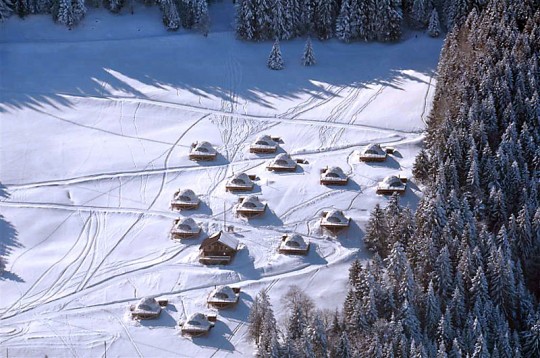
[(223, 238)]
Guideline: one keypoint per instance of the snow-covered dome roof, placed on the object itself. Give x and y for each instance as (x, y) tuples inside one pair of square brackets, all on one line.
[(223, 293), (334, 172), (186, 195), (335, 216), (373, 149), (265, 140), (295, 241), (197, 321), (148, 304), (203, 147), (392, 181), (240, 179), (251, 202), (187, 224), (283, 159)]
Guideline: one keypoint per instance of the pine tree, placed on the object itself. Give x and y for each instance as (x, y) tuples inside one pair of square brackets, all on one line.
[(343, 22), (171, 19), (79, 10), (200, 17), (6, 9), (308, 57), (343, 347), (65, 13), (377, 232), (275, 61), (434, 27)]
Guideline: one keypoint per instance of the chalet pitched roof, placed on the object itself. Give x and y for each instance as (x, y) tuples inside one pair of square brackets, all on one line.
[(334, 172), (223, 238), (392, 181), (186, 224), (265, 140), (373, 149), (186, 195), (196, 322), (240, 179), (147, 304), (335, 216), (223, 294), (294, 241), (203, 147)]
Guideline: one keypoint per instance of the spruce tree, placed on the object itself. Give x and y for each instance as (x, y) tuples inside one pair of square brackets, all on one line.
[(201, 18), (275, 61), (6, 9), (308, 57), (434, 27)]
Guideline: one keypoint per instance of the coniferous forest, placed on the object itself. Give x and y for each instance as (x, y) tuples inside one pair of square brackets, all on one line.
[(461, 276), (347, 20)]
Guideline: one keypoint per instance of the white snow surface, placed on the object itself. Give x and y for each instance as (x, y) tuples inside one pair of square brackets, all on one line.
[(95, 130)]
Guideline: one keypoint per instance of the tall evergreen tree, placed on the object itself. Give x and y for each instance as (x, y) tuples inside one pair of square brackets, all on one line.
[(308, 57), (275, 61)]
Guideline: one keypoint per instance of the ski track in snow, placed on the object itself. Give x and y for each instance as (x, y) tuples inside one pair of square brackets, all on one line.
[(90, 264)]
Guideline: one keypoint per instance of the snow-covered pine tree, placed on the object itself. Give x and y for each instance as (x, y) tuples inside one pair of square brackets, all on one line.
[(419, 12), (65, 13), (324, 22), (114, 6), (201, 17), (6, 9), (22, 8), (79, 10), (171, 19), (275, 61), (343, 22), (187, 13), (308, 57), (434, 27), (279, 23), (377, 232)]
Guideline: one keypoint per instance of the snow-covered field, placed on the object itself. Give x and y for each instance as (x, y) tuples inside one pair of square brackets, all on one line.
[(96, 124)]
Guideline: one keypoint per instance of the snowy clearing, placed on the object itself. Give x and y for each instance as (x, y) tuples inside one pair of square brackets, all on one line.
[(95, 134)]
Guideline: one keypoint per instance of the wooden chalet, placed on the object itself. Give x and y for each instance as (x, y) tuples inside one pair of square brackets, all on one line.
[(147, 308), (239, 182), (373, 153), (334, 221), (202, 151), (293, 244), (282, 163), (198, 324), (185, 199), (185, 228), (250, 207), (392, 184), (218, 249), (224, 296), (333, 176), (264, 144)]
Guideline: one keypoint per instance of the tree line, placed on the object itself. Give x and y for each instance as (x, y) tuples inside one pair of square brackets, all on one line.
[(347, 20)]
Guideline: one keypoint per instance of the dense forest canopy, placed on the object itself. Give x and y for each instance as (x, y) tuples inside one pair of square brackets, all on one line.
[(347, 20)]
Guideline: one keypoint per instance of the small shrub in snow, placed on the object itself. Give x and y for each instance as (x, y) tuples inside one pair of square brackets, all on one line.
[(308, 58), (275, 61)]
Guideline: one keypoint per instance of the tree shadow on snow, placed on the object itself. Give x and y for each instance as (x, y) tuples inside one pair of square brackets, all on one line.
[(390, 162), (216, 338), (164, 320), (237, 76), (8, 241)]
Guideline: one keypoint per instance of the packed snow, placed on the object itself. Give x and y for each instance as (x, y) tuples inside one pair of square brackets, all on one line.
[(97, 125)]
